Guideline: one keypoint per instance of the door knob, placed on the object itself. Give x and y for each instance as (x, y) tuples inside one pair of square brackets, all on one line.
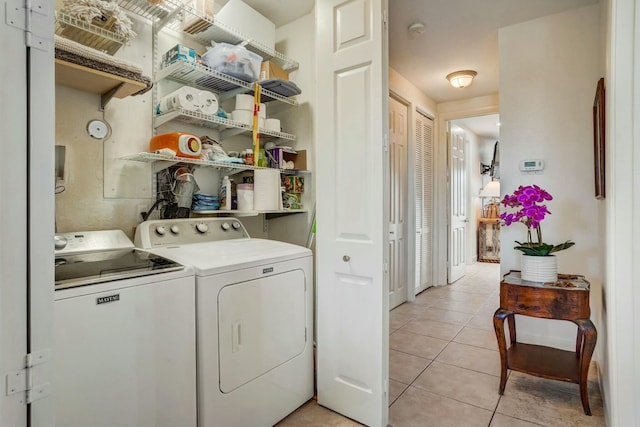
[(346, 258)]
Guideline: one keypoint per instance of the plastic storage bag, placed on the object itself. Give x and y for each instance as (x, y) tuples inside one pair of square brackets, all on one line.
[(235, 61)]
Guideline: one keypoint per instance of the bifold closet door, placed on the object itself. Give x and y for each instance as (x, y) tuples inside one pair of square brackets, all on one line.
[(423, 189)]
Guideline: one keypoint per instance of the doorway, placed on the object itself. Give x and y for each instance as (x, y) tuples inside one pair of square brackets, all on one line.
[(476, 137)]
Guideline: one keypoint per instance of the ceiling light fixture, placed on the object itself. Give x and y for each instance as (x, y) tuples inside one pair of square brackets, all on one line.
[(462, 78)]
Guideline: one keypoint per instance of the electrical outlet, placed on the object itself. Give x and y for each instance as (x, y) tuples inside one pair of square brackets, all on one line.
[(265, 224)]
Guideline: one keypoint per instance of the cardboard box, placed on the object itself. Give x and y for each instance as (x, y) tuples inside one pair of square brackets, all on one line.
[(178, 52), (293, 184), (278, 157), (269, 70), (249, 22), (193, 24)]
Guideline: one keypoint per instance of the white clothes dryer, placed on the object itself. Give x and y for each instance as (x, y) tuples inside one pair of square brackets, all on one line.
[(253, 316)]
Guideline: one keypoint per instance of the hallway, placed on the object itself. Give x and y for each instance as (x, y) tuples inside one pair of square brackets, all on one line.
[(444, 368)]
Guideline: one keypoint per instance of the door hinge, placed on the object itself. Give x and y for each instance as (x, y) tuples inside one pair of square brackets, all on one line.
[(22, 380), (30, 16), (305, 334), (386, 142)]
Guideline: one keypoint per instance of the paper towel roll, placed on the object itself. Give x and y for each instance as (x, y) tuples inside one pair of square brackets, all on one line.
[(186, 98), (266, 189), (208, 102)]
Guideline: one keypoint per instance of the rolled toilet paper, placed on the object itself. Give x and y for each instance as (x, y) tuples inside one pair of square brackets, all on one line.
[(208, 102), (244, 102), (243, 116), (266, 189), (186, 98), (273, 125)]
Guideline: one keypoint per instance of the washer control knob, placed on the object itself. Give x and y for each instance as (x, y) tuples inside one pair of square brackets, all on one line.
[(60, 242), (202, 227), (161, 230), (225, 226), (175, 229), (235, 225)]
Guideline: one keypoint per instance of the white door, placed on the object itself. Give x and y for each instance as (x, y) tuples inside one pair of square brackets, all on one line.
[(352, 169), (458, 204), (398, 203), (423, 189), (26, 191)]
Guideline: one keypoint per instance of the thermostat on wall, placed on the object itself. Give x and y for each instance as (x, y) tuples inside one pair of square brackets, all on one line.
[(534, 165)]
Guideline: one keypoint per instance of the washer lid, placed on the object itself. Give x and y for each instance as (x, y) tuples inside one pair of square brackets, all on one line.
[(98, 267), (229, 255)]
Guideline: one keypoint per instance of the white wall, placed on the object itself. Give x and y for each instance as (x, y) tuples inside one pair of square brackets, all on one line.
[(102, 192), (549, 68), (297, 40)]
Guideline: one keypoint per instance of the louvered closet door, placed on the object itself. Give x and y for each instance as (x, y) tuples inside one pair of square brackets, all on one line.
[(423, 187)]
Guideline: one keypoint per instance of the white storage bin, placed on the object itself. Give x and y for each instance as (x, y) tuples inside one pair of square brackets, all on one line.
[(235, 61), (240, 16)]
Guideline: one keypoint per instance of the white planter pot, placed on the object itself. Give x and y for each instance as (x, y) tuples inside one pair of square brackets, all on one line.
[(539, 268)]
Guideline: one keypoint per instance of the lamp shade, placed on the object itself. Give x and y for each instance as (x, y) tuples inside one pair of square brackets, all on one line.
[(492, 189), (460, 79)]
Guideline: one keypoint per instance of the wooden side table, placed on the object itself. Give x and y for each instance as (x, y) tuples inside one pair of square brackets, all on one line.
[(567, 299)]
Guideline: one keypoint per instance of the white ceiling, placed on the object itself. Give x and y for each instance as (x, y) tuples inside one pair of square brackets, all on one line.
[(484, 126), (459, 35), (279, 12)]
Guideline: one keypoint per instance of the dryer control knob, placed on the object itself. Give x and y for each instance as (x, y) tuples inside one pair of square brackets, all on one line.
[(235, 225), (175, 229), (202, 227), (225, 226), (161, 230)]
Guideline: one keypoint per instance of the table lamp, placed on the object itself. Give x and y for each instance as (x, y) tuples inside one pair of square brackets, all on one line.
[(492, 190)]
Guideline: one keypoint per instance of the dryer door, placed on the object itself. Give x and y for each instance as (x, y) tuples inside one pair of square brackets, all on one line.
[(261, 325)]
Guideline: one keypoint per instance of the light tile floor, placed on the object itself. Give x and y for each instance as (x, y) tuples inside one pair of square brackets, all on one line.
[(444, 368)]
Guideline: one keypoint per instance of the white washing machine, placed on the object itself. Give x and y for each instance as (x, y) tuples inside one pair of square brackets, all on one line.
[(124, 335), (254, 318)]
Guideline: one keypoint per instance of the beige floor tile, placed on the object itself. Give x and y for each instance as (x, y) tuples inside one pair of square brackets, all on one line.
[(447, 316), (546, 402), (395, 390), (419, 408), (500, 420), (398, 320), (410, 308), (415, 344), (432, 328), (459, 295), (474, 388), (470, 307), (482, 321), (405, 367), (477, 337), (313, 415), (470, 357)]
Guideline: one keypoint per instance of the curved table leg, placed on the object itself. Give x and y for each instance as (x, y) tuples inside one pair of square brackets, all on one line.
[(498, 326), (587, 331)]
